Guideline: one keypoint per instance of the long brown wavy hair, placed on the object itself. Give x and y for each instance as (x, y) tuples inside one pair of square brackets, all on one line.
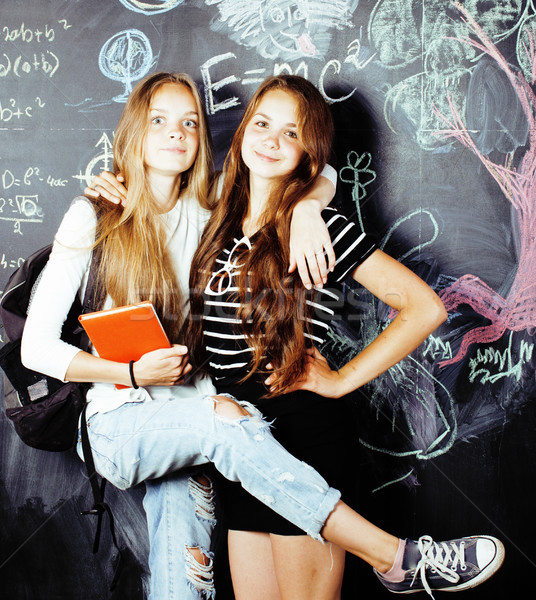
[(135, 264), (273, 312)]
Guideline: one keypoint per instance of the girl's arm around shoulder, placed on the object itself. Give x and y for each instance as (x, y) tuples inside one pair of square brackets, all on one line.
[(311, 251)]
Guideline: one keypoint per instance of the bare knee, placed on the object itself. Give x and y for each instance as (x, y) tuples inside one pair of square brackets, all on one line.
[(226, 407), (199, 569)]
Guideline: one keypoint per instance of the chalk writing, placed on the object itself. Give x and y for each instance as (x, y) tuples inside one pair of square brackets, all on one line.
[(15, 110), (21, 209), (28, 35), (212, 85), (10, 263), (46, 63), (31, 176)]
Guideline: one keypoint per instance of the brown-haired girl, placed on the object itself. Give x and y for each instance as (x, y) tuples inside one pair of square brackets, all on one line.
[(254, 328)]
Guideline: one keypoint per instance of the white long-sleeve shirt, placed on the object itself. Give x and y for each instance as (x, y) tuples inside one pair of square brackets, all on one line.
[(66, 275)]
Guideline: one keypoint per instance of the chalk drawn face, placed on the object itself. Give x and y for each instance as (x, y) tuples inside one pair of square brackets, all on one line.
[(283, 29), (271, 147), (172, 138)]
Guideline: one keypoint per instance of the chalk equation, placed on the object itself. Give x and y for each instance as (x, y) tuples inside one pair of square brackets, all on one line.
[(43, 63), (22, 64), (32, 175), (214, 82), (10, 263), (27, 34), (14, 110), (21, 209)]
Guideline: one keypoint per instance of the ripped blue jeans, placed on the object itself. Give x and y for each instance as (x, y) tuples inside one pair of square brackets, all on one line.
[(153, 440)]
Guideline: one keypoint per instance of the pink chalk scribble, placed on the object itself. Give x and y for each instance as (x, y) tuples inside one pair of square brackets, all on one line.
[(306, 45), (517, 311)]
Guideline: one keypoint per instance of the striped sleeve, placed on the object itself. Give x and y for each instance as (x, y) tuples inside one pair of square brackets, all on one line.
[(351, 245)]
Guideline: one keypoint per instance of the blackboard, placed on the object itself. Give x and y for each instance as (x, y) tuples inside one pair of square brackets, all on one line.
[(435, 151)]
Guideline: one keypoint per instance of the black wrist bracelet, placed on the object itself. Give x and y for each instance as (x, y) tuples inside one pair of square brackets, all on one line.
[(131, 373)]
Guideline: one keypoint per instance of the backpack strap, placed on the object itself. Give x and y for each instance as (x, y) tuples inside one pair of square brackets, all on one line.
[(94, 298), (99, 506)]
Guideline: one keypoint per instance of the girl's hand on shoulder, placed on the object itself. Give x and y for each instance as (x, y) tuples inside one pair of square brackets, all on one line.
[(311, 251), (318, 378), (166, 367), (108, 186)]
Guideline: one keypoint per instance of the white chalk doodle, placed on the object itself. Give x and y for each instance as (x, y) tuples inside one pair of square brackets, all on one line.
[(284, 29), (151, 8), (429, 36), (126, 57), (103, 161), (491, 365), (357, 172)]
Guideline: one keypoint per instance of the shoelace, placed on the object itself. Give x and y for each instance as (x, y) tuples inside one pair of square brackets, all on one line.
[(437, 557)]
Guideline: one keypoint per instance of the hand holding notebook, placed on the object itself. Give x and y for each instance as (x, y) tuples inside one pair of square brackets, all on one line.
[(125, 333)]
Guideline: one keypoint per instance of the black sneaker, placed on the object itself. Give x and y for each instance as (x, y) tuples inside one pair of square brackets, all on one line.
[(448, 566)]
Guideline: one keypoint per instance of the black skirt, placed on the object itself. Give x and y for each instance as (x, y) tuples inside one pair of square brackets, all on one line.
[(317, 430)]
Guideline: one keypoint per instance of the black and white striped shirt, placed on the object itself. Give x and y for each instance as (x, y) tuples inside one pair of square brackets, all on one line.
[(226, 344)]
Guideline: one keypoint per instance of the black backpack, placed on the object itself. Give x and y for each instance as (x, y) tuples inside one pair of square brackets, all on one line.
[(45, 411)]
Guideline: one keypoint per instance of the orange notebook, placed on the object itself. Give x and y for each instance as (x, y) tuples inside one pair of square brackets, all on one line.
[(125, 333)]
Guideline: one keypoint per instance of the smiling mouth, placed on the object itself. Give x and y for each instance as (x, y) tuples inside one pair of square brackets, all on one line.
[(265, 158)]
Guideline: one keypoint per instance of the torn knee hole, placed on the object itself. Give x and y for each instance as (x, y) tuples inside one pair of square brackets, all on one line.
[(226, 407), (199, 556), (199, 569), (201, 490), (203, 480)]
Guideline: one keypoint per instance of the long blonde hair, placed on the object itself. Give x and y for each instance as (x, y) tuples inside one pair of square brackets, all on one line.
[(135, 263), (274, 301)]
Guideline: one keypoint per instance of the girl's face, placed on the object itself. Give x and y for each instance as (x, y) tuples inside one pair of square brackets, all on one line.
[(271, 147), (172, 138)]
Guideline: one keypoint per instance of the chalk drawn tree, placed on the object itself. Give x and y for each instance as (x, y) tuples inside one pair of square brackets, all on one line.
[(516, 311)]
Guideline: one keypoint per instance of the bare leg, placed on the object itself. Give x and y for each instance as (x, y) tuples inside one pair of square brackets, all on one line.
[(307, 569), (354, 533), (252, 566)]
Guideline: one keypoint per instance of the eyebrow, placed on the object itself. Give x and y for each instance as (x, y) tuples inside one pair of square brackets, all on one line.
[(269, 119), (163, 110)]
